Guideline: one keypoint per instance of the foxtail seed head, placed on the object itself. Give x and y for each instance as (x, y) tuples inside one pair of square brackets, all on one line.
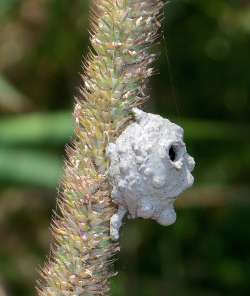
[(114, 82)]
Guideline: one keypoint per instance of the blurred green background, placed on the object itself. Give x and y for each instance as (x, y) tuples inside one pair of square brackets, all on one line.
[(203, 84)]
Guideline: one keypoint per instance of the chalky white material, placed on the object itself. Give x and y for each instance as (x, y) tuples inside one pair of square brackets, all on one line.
[(149, 168)]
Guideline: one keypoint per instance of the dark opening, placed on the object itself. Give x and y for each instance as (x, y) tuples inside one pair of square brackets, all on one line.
[(172, 153)]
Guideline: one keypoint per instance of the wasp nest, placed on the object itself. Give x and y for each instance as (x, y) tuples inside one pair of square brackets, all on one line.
[(149, 168)]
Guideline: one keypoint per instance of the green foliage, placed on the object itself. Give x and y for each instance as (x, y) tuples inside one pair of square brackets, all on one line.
[(36, 129), (30, 168), (5, 6)]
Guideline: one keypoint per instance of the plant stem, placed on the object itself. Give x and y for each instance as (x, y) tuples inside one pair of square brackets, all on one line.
[(114, 82)]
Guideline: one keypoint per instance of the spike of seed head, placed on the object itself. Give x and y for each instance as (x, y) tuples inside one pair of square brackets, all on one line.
[(114, 82)]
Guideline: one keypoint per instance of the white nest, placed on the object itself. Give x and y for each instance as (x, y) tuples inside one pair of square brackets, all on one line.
[(149, 168)]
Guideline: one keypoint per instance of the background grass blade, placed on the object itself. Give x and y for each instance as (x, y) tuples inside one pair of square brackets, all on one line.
[(29, 168)]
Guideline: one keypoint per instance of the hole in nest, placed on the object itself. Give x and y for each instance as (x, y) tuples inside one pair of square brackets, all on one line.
[(172, 153)]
